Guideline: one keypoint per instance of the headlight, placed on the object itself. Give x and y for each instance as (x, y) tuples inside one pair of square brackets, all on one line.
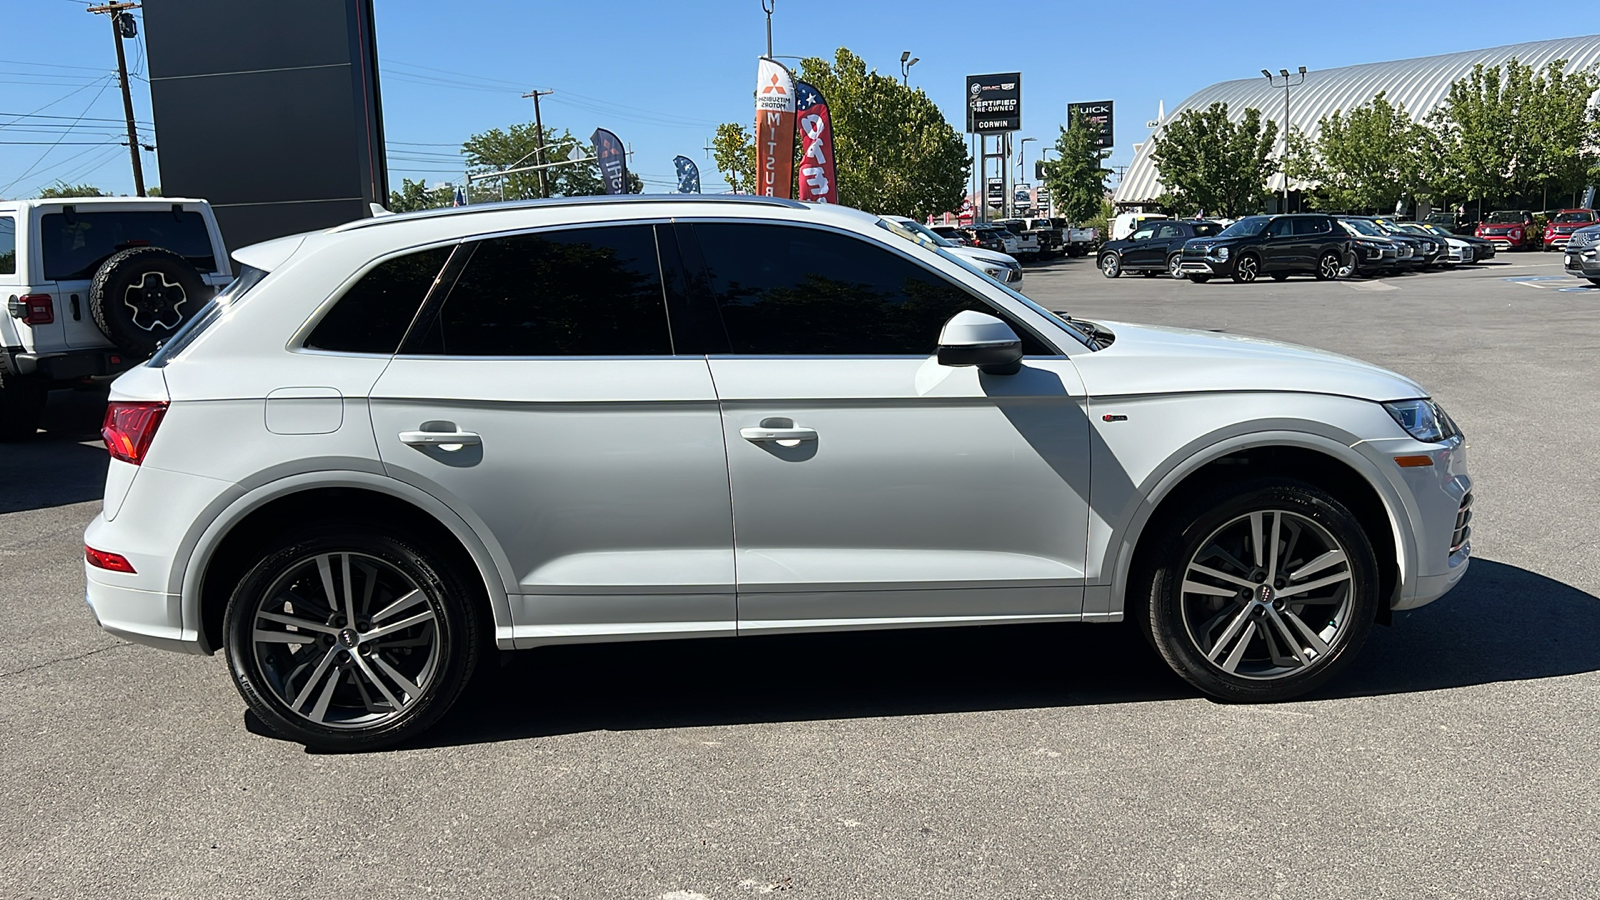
[(1221, 252), (1424, 420)]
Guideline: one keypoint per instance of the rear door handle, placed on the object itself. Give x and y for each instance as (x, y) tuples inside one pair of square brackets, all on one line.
[(444, 440), (756, 434)]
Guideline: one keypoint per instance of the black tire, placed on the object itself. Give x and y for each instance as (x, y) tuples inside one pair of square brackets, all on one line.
[(1328, 266), (22, 399), (1178, 606), (1110, 265), (1247, 269), (319, 682), (1199, 279), (1595, 282), (1280, 276), (143, 295)]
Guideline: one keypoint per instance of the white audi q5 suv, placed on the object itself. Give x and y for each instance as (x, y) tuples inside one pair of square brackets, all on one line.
[(393, 447)]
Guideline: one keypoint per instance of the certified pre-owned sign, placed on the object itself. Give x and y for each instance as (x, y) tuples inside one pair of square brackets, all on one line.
[(994, 103)]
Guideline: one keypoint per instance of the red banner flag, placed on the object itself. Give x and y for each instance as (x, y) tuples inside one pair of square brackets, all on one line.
[(817, 181), (774, 130)]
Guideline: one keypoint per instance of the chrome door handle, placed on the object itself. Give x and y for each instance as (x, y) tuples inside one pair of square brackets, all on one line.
[(444, 440), (756, 434)]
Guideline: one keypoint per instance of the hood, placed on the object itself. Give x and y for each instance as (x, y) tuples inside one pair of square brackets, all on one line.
[(978, 254), (1150, 359), (1504, 226)]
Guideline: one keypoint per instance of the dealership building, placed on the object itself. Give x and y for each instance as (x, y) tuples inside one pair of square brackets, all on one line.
[(1420, 85)]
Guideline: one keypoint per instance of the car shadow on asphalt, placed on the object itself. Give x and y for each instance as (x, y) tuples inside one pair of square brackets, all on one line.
[(1501, 624), (64, 462)]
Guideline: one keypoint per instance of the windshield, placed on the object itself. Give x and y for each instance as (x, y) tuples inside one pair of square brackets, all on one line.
[(915, 232), (1575, 217), (208, 315), (1362, 226), (1249, 226), (925, 231), (1506, 217)]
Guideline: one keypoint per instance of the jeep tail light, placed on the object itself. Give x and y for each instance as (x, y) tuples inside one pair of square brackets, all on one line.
[(37, 309), (130, 427), (100, 559)]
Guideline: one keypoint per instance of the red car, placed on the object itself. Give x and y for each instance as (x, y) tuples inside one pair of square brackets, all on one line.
[(1509, 229), (1563, 224)]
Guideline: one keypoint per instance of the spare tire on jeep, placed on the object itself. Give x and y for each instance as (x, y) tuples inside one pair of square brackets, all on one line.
[(141, 296)]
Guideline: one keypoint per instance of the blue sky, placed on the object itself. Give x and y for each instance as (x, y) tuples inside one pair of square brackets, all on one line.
[(662, 75)]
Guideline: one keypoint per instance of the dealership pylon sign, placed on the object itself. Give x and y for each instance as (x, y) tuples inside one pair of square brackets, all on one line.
[(994, 103), (774, 130)]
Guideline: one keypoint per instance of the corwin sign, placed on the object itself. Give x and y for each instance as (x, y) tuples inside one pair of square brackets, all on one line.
[(1098, 113), (994, 103)]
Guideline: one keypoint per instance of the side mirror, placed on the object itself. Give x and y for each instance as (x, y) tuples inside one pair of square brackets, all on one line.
[(972, 338)]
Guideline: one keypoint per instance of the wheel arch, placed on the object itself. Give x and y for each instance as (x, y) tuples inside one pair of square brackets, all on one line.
[(225, 548), (1318, 461)]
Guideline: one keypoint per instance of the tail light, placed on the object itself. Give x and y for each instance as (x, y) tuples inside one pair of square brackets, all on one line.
[(130, 427), (37, 309), (100, 559)]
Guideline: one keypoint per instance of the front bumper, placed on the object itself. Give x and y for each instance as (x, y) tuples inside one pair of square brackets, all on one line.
[(1206, 265), (1583, 263)]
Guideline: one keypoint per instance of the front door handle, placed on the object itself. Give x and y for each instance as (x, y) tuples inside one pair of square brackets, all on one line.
[(444, 440), (757, 434)]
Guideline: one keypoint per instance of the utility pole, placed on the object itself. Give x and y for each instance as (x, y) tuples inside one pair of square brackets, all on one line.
[(538, 124), (122, 25)]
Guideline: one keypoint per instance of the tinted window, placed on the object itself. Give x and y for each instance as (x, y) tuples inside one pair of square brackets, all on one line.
[(1313, 225), (373, 315), (1279, 228), (1207, 229), (1167, 231), (1143, 234), (579, 292), (75, 246), (1248, 227), (8, 246), (1575, 217), (788, 290)]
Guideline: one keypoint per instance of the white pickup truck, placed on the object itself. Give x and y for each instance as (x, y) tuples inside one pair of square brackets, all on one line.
[(92, 286), (1029, 246)]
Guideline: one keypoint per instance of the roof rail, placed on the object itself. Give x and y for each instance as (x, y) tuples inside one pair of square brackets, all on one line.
[(560, 202)]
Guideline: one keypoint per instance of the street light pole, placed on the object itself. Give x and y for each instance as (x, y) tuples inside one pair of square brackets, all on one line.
[(1288, 83), (1022, 154), (906, 62)]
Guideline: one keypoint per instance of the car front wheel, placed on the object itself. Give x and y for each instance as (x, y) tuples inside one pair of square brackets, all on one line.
[(1260, 592), (1175, 265), (1246, 270), (1110, 265), (345, 638)]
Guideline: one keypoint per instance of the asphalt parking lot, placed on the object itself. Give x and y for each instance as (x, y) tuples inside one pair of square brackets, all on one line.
[(1459, 758)]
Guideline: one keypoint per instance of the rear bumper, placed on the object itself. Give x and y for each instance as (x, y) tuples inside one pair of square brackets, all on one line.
[(154, 618), (66, 365)]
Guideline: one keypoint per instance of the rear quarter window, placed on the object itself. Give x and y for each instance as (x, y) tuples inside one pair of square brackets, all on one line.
[(75, 244), (373, 315)]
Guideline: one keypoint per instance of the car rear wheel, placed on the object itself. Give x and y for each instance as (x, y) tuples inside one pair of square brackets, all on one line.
[(1110, 265), (345, 638), (1175, 265), (1328, 266), (1259, 592), (22, 399), (1246, 269)]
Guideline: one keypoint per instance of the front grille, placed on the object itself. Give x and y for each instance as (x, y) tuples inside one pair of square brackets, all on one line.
[(1463, 530), (1584, 239)]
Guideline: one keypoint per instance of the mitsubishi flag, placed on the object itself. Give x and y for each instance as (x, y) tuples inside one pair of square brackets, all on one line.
[(774, 129), (817, 181), (613, 161)]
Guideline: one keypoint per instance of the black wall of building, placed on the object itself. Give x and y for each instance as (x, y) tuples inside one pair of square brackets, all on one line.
[(268, 110)]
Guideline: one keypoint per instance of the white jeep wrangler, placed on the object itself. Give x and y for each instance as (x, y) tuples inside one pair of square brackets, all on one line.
[(92, 286)]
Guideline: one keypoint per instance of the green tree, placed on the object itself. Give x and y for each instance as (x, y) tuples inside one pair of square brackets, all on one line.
[(415, 195), (735, 156), (515, 147), (62, 189), (1209, 162), (1077, 176), (1365, 159), (894, 151)]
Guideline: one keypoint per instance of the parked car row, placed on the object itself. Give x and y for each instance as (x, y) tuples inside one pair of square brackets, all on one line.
[(1317, 244)]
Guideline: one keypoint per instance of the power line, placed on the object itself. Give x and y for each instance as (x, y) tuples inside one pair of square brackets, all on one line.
[(29, 170)]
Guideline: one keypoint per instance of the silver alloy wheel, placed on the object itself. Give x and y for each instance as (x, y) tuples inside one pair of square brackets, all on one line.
[(345, 640), (1329, 267), (1245, 270), (1110, 265), (1175, 266), (1267, 595)]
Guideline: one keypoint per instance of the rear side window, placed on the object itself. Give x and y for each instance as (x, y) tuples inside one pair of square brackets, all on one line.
[(75, 245), (1313, 225), (577, 292), (785, 290), (374, 314), (8, 245), (1207, 229)]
